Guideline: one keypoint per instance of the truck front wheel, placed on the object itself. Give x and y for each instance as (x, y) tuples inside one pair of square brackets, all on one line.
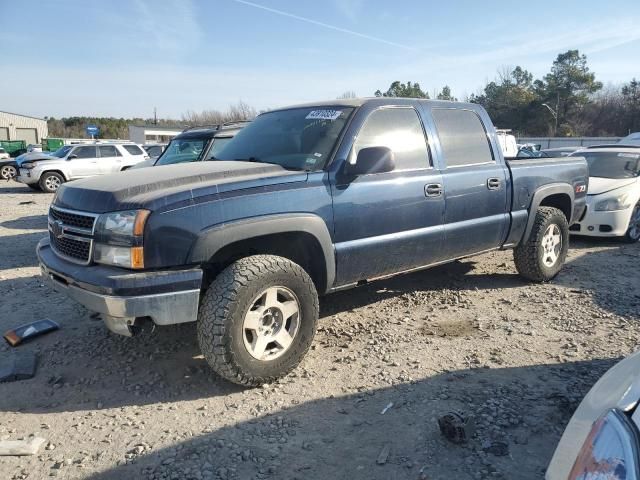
[(257, 319), (542, 256)]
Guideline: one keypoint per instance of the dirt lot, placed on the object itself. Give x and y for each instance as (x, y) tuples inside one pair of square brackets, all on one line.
[(470, 336)]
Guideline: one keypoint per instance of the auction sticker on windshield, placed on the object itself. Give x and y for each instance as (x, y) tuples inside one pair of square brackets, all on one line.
[(323, 115)]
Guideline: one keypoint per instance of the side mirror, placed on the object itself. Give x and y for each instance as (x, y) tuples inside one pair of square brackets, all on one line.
[(72, 156), (372, 160)]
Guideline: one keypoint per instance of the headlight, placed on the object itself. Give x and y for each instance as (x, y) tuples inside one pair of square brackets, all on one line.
[(610, 450), (28, 165), (119, 238), (614, 203)]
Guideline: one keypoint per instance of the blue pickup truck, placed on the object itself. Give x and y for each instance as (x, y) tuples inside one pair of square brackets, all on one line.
[(304, 201)]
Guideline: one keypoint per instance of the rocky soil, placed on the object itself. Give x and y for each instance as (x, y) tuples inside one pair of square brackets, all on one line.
[(389, 359)]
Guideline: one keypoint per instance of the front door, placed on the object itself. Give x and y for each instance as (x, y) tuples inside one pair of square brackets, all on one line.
[(389, 222), (83, 161)]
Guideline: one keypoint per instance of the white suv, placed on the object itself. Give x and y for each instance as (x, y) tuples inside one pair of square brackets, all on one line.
[(48, 171)]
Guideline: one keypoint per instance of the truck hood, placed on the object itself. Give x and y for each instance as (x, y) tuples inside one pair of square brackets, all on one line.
[(598, 185), (169, 186)]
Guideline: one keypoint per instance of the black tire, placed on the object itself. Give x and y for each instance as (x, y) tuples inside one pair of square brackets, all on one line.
[(530, 257), (7, 172), (633, 231), (34, 186), (227, 301), (49, 180)]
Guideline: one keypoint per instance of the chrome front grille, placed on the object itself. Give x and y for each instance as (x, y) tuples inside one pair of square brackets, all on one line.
[(71, 234)]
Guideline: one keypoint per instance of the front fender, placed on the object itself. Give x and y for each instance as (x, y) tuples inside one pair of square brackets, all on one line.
[(214, 238)]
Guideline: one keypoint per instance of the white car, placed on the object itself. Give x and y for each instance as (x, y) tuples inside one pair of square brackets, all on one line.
[(601, 440), (632, 139), (48, 171), (613, 197)]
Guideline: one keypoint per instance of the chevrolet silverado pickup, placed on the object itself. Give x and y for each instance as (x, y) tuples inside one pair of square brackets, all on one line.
[(304, 201)]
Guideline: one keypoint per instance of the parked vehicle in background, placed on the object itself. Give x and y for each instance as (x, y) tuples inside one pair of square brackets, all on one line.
[(560, 151), (8, 167), (154, 150), (601, 440), (303, 201), (34, 148), (613, 197), (196, 144), (631, 139), (507, 143), (528, 152), (48, 171)]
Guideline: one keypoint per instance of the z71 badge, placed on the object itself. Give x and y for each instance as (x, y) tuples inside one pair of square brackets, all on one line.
[(581, 188)]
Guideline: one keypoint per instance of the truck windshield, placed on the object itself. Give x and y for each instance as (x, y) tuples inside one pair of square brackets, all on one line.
[(62, 151), (612, 164), (298, 139), (182, 150)]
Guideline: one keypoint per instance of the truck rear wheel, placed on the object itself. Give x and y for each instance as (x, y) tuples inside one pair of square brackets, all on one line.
[(257, 319), (542, 256)]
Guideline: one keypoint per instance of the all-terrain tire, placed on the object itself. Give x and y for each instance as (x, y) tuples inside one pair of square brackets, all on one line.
[(227, 301), (529, 256)]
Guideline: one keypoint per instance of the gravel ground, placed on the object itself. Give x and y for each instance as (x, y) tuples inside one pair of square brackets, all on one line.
[(470, 337)]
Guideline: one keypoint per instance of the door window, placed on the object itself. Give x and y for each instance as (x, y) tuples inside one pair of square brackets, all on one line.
[(85, 152), (133, 149), (109, 151), (462, 136), (400, 130)]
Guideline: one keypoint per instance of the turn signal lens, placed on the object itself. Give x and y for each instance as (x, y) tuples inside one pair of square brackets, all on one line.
[(610, 451), (137, 256), (141, 219)]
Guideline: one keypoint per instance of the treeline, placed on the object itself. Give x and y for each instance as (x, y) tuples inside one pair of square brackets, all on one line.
[(567, 101), (118, 128)]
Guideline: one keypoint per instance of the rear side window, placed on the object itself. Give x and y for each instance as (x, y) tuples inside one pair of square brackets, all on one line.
[(109, 151), (463, 138), (133, 149), (398, 129), (85, 152)]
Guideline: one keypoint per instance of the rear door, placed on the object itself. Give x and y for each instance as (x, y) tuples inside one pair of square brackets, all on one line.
[(385, 222), (110, 159), (83, 161), (475, 184)]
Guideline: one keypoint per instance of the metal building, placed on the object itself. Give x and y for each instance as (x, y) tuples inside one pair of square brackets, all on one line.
[(142, 134), (22, 127)]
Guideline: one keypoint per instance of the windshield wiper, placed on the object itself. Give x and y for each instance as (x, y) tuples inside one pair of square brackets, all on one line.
[(257, 160)]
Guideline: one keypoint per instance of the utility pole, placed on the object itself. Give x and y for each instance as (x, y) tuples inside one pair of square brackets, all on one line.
[(555, 115), (155, 116)]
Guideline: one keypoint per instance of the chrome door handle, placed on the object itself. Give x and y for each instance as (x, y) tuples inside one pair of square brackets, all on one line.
[(493, 183), (433, 190)]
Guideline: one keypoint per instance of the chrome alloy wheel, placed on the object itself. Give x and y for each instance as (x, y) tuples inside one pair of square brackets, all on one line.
[(551, 245), (7, 172), (271, 324), (52, 183)]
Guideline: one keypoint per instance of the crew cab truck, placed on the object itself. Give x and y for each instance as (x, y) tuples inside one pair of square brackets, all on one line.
[(304, 201)]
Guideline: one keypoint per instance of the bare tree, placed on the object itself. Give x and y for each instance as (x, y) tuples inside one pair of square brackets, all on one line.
[(237, 112), (347, 94)]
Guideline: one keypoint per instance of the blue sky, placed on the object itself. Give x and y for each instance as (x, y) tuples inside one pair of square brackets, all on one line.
[(123, 57)]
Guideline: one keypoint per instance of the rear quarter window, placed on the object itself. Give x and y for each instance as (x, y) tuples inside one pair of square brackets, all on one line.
[(463, 137), (133, 149)]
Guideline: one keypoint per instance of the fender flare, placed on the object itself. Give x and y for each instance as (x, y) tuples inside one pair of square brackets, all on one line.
[(216, 237), (542, 193)]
